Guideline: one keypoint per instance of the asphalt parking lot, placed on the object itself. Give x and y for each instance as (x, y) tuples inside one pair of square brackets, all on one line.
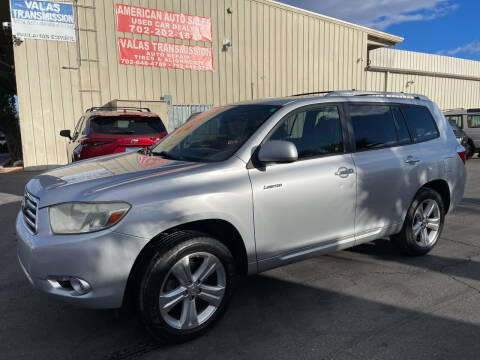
[(364, 303)]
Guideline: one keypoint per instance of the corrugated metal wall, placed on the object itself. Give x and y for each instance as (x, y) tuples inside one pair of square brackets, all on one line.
[(179, 114), (277, 51), (450, 82)]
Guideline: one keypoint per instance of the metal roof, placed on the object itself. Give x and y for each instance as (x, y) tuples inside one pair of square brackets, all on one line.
[(377, 38)]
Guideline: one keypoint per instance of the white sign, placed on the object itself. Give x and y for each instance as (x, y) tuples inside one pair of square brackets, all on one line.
[(43, 20)]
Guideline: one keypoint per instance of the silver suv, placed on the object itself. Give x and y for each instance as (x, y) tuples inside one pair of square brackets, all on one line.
[(239, 190)]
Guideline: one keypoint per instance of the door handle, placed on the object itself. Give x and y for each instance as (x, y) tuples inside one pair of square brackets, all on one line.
[(343, 172), (411, 160)]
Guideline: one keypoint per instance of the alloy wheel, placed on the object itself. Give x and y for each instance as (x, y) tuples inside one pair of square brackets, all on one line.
[(192, 290), (426, 223)]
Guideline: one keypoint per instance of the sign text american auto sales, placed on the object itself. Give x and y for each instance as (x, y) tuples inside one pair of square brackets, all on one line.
[(153, 22)]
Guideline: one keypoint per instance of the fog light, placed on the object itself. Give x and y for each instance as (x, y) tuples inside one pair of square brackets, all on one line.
[(80, 286), (73, 285)]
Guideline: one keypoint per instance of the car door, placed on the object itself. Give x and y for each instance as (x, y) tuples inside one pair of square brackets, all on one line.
[(307, 206), (388, 169)]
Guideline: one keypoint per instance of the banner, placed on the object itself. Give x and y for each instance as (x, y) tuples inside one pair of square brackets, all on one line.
[(164, 55), (138, 20), (43, 20)]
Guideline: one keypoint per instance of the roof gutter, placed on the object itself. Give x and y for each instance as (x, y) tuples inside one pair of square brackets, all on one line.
[(421, 73)]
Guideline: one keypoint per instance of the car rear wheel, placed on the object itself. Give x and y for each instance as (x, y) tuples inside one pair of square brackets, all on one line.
[(423, 224), (469, 152), (186, 287)]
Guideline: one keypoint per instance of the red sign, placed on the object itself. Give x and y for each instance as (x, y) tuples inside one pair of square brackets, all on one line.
[(139, 20), (164, 55)]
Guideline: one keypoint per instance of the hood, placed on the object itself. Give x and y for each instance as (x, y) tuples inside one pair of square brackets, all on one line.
[(104, 172)]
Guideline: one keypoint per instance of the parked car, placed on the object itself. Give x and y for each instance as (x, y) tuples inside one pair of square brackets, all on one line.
[(3, 143), (469, 121), (110, 130), (462, 138), (239, 190)]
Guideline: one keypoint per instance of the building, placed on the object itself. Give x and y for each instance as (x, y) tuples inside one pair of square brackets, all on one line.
[(245, 49)]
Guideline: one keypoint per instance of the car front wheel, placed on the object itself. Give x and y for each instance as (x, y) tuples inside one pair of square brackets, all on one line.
[(186, 287)]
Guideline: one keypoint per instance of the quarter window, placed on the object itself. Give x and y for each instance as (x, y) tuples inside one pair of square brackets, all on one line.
[(374, 126), (473, 121), (421, 123), (315, 132)]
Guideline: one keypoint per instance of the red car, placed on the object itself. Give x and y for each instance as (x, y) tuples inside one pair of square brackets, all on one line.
[(104, 131)]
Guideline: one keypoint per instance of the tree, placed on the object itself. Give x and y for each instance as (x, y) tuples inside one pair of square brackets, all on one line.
[(9, 124)]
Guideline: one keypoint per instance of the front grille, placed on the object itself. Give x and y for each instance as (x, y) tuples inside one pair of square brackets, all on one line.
[(30, 209)]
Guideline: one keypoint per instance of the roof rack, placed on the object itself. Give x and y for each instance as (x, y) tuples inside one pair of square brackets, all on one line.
[(313, 93), (118, 108), (377, 93), (455, 109)]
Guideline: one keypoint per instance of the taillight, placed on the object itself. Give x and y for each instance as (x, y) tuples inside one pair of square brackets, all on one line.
[(156, 139), (96, 142), (462, 153)]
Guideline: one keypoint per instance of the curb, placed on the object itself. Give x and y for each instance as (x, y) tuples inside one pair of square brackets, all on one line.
[(10, 170)]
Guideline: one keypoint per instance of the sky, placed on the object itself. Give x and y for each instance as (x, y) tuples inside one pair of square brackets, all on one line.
[(446, 27)]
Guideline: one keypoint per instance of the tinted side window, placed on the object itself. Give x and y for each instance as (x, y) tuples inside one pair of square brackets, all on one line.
[(315, 132), (421, 123), (402, 128), (374, 126), (473, 121)]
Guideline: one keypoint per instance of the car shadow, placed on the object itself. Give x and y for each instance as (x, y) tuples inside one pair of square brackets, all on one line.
[(272, 316), (272, 319)]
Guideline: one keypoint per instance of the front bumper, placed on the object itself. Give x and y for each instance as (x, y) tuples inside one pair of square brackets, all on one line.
[(104, 259)]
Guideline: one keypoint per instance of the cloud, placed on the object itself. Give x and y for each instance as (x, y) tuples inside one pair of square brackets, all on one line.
[(378, 14), (471, 48)]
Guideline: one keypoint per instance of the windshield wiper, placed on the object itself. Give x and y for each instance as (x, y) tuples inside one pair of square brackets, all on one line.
[(165, 154)]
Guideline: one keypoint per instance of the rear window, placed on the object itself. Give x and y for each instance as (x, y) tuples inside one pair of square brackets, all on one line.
[(374, 126), (123, 125), (421, 123)]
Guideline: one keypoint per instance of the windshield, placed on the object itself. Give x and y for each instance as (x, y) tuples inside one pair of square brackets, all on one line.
[(214, 135), (124, 125)]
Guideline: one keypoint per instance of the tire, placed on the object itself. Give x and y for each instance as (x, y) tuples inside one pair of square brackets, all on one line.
[(469, 151), (166, 281), (416, 245)]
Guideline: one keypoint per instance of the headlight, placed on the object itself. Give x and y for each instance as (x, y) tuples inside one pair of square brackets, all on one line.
[(76, 218)]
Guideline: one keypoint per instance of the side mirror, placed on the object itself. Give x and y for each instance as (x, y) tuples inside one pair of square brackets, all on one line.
[(278, 151), (66, 133)]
